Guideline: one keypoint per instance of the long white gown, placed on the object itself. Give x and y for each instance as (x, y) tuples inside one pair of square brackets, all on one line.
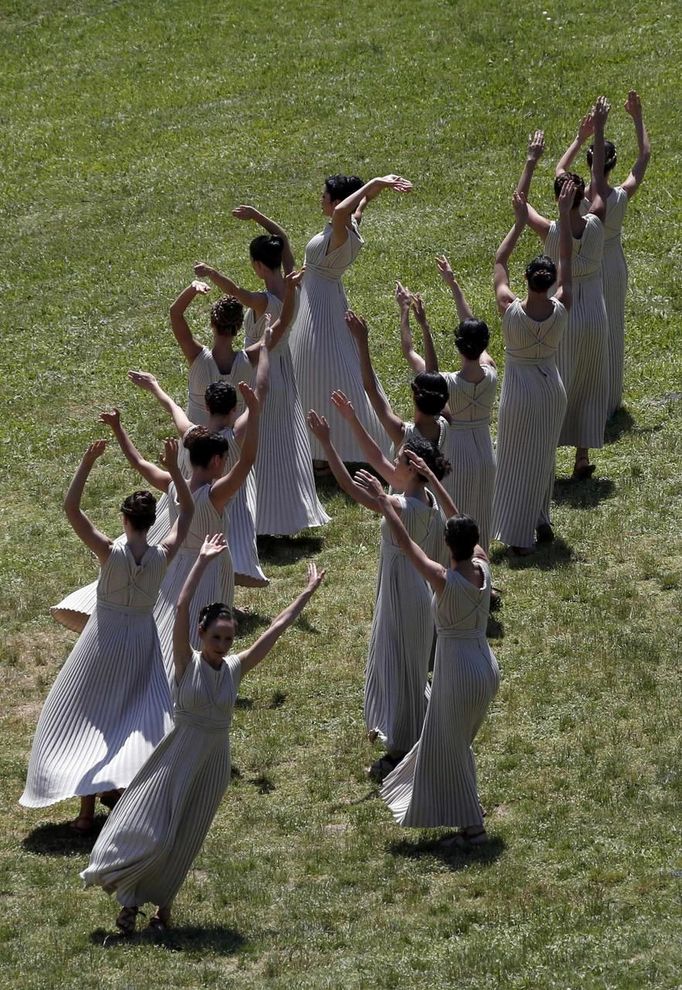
[(110, 704), (157, 829), (325, 355), (435, 785), (287, 501), (204, 371)]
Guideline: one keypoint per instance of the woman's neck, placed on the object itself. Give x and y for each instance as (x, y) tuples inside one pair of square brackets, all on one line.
[(274, 282), (427, 424)]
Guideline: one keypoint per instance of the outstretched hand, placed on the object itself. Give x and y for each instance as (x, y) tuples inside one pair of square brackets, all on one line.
[(212, 546), (293, 279), (112, 419), (343, 405), (357, 325), (315, 578), (95, 450), (250, 398), (244, 213), (601, 111), (403, 296), (396, 182), (536, 145), (319, 427), (370, 483), (445, 269), (633, 105), (201, 269), (267, 332), (169, 455), (566, 197), (143, 380), (418, 308), (586, 126), (418, 464), (520, 208)]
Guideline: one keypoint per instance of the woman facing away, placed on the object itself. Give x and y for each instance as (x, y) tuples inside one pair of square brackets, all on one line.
[(402, 627), (533, 400), (110, 704), (157, 829), (325, 357), (287, 500), (435, 784), (471, 393), (582, 357), (614, 266)]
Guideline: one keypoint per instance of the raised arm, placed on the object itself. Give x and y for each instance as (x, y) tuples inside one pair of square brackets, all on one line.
[(319, 427), (429, 569), (585, 131), (190, 347), (250, 213), (423, 470), (404, 299), (419, 310), (394, 426), (261, 384), (257, 301), (150, 384), (464, 311), (254, 654), (182, 647), (503, 292), (81, 525), (536, 147), (599, 186), (224, 488), (633, 106), (564, 292), (370, 448), (180, 529), (150, 472), (344, 210)]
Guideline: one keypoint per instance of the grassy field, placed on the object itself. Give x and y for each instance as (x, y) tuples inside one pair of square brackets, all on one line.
[(129, 132)]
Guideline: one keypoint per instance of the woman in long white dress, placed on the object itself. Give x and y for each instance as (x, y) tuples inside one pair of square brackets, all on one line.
[(287, 501), (325, 357), (533, 400), (468, 445), (402, 627), (157, 829), (582, 357), (110, 704), (614, 266), (435, 784)]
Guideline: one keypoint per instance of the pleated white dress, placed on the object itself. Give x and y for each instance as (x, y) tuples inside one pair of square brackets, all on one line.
[(217, 581), (435, 785), (156, 830), (469, 447), (324, 353), (532, 409), (204, 371), (287, 500), (402, 630), (110, 704), (614, 272), (582, 357)]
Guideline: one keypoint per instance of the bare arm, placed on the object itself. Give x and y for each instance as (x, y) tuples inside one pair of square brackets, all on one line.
[(250, 213), (182, 647), (344, 210), (464, 310), (564, 292), (599, 188), (150, 384), (585, 130), (404, 299), (503, 293), (257, 301), (254, 654), (370, 448), (394, 426), (633, 105), (179, 531), (419, 310), (536, 146), (190, 347), (150, 472), (81, 525), (261, 384), (224, 488)]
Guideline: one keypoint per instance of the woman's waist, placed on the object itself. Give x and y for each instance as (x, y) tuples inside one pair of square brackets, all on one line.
[(212, 726), (142, 611), (545, 361), (453, 633), (471, 424)]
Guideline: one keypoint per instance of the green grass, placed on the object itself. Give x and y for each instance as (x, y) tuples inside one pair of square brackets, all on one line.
[(129, 132)]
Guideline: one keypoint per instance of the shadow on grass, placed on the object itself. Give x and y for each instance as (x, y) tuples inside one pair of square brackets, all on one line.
[(454, 858), (183, 938), (582, 494), (494, 629), (618, 425), (59, 839), (287, 549), (545, 556), (250, 622)]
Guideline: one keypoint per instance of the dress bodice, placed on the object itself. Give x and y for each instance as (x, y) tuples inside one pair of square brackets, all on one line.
[(528, 341), (205, 696), (587, 250), (253, 328), (204, 371), (616, 207), (411, 430), (127, 585), (471, 403), (205, 521), (331, 264), (424, 522), (462, 609)]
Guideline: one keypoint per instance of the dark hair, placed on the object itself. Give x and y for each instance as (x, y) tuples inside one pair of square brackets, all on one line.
[(430, 392), (471, 338), (204, 446), (540, 273), (227, 315), (461, 536), (579, 186), (216, 610), (267, 248), (220, 398), (341, 186), (429, 453), (140, 510), (610, 157)]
